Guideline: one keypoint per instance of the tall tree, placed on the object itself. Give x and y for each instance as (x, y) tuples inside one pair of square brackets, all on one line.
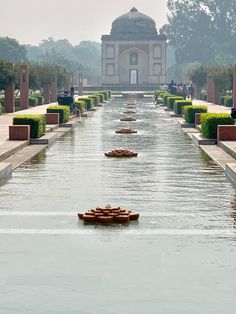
[(12, 51)]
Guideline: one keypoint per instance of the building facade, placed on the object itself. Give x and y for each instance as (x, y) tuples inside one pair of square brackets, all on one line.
[(134, 53)]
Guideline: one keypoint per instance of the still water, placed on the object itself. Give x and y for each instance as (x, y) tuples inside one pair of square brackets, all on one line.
[(178, 259)]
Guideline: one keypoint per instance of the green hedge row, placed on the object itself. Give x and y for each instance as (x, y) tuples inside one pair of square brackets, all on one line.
[(190, 111), (40, 99), (210, 122), (96, 99), (80, 104), (165, 98), (64, 112), (105, 94), (33, 101), (180, 104), (101, 97), (171, 100), (37, 124), (89, 102)]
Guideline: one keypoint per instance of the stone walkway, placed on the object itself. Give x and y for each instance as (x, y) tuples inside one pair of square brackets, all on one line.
[(213, 108), (6, 119)]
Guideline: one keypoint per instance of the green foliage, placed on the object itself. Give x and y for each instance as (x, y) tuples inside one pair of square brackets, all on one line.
[(204, 96), (101, 97), (198, 74), (12, 51), (180, 104), (171, 100), (64, 112), (202, 30), (88, 101), (190, 111), (228, 101), (109, 94), (165, 98), (210, 122), (81, 105), (33, 101), (105, 94), (1, 109), (8, 74), (37, 124), (96, 99), (39, 98), (222, 76)]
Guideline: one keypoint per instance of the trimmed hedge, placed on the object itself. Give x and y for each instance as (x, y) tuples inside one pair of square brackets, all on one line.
[(180, 104), (171, 100), (33, 101), (96, 99), (101, 97), (190, 111), (64, 112), (88, 101), (210, 122), (109, 94), (80, 104), (105, 94), (40, 99), (37, 124), (165, 96)]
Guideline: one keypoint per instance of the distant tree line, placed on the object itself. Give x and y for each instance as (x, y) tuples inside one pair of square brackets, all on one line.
[(84, 58)]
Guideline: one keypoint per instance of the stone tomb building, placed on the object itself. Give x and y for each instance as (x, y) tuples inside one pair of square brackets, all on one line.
[(133, 53)]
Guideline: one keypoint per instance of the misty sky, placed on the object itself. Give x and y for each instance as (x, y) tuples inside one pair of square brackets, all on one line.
[(30, 21)]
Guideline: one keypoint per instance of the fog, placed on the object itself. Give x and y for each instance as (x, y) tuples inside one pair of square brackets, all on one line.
[(31, 21)]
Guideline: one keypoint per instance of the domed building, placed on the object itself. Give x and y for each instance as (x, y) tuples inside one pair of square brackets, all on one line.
[(134, 53)]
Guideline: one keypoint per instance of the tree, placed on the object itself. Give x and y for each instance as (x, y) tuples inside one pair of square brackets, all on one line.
[(12, 51), (8, 74)]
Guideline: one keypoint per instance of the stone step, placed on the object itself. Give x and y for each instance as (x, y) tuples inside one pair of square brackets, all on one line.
[(199, 139), (229, 147), (9, 148), (5, 170), (47, 139), (218, 155)]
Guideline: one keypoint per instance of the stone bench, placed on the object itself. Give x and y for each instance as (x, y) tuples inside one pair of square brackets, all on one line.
[(19, 132), (226, 133)]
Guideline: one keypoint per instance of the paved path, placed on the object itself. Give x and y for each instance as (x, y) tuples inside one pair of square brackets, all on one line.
[(6, 119), (213, 108)]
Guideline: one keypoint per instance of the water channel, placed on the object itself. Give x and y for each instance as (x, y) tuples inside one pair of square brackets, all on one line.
[(178, 259)]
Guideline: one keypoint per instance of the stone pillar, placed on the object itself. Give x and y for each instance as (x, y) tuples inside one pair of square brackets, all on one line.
[(47, 93), (54, 89), (10, 99), (81, 85), (24, 86), (234, 88), (213, 94), (197, 91)]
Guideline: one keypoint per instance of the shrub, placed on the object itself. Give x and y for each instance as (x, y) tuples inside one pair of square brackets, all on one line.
[(210, 122), (109, 94), (33, 101), (0, 109), (80, 104), (228, 101), (165, 96), (105, 94), (88, 101), (101, 97), (37, 124), (96, 99), (64, 112), (40, 99), (190, 111), (179, 104), (171, 100)]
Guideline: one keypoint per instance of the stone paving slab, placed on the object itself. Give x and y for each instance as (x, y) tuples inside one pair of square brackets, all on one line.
[(47, 139), (199, 139), (8, 148), (229, 147), (218, 155), (24, 155), (5, 169)]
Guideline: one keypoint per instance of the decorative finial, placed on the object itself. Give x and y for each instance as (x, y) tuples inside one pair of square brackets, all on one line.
[(133, 10)]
